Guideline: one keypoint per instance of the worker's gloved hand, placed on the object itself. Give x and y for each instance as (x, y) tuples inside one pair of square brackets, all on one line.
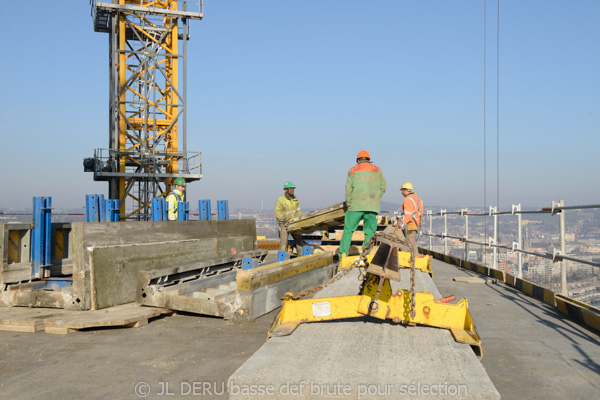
[(404, 227)]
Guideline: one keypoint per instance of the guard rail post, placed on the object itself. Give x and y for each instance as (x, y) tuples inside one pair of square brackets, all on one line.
[(465, 212), (517, 208), (430, 216), (563, 246), (493, 211), (443, 212)]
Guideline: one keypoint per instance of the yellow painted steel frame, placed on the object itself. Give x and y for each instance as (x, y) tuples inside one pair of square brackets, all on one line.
[(455, 317), (421, 263), (159, 117)]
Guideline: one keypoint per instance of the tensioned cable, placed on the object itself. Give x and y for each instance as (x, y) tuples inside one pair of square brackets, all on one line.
[(484, 120), (498, 110)]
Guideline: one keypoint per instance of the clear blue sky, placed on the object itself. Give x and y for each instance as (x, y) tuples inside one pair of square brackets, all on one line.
[(282, 90)]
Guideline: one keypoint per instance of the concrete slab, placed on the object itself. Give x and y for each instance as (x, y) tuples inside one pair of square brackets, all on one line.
[(232, 236), (363, 358)]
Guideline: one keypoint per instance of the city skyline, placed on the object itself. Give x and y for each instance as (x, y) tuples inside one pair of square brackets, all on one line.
[(276, 95)]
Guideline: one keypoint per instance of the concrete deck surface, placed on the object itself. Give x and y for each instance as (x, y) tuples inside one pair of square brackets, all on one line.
[(364, 358), (530, 351)]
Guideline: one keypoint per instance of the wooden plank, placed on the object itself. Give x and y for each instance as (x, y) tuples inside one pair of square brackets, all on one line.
[(318, 220), (127, 315), (21, 319), (22, 328)]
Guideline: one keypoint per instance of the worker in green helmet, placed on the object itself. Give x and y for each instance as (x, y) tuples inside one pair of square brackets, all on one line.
[(287, 207), (176, 196)]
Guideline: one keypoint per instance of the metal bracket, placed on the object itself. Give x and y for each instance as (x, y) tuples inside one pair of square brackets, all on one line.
[(555, 254), (515, 246), (492, 210), (442, 212), (491, 242), (555, 205), (515, 208), (464, 211)]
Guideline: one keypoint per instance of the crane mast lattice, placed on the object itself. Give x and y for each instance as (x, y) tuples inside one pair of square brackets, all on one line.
[(147, 146)]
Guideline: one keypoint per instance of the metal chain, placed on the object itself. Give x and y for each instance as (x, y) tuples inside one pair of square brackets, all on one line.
[(412, 286), (362, 259), (396, 239)]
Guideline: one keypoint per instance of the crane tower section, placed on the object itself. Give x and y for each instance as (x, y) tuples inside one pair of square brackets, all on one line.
[(147, 146)]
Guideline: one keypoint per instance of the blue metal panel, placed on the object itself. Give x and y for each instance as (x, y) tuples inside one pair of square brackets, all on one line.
[(183, 211), (307, 250), (112, 210), (249, 263), (47, 212), (91, 207), (157, 212), (204, 210), (101, 208), (41, 236), (36, 236), (283, 256), (222, 209)]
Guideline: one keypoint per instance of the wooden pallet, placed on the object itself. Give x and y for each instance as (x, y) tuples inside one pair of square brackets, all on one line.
[(20, 319)]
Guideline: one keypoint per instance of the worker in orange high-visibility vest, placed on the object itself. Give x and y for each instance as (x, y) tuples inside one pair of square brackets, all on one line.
[(412, 208)]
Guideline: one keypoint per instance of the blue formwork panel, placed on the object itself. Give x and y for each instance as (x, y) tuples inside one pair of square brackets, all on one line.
[(223, 209), (101, 208), (112, 210), (249, 263), (183, 211), (307, 250), (41, 236), (158, 206), (91, 207), (283, 256), (204, 210)]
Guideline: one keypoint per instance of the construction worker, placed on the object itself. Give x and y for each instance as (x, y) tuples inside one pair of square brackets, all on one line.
[(176, 196), (365, 186), (287, 207), (412, 207)]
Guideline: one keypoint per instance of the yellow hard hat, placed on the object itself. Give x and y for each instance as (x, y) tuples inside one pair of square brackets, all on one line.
[(407, 185)]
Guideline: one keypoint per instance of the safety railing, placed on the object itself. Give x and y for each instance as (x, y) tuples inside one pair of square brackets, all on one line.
[(556, 255)]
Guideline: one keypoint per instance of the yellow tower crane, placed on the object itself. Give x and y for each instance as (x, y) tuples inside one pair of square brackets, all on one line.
[(147, 125)]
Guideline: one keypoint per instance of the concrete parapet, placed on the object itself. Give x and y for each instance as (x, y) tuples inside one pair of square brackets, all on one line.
[(117, 251)]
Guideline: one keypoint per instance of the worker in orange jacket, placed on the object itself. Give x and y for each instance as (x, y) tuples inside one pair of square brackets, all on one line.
[(412, 208)]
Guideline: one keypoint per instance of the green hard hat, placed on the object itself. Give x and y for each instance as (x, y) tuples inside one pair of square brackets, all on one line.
[(289, 185), (179, 181)]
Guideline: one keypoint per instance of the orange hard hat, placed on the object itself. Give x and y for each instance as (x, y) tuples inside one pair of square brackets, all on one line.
[(363, 154)]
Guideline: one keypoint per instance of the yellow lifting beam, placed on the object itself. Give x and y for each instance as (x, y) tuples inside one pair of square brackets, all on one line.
[(428, 312), (377, 300)]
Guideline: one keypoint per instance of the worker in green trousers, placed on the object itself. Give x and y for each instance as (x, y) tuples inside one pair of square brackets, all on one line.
[(365, 186)]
